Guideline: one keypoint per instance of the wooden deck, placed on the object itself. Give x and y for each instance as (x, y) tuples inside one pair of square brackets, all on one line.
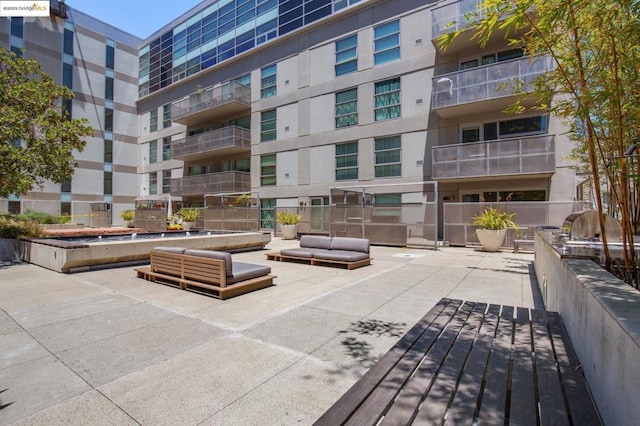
[(472, 363)]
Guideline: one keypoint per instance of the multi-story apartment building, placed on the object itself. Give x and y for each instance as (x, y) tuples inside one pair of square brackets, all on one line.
[(291, 98), (99, 63)]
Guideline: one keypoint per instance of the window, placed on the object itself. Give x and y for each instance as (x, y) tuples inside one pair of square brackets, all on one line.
[(110, 54), (347, 108), (268, 82), (153, 183), (387, 100), (386, 40), (108, 88), (268, 170), (535, 125), (387, 157), (108, 151), (341, 4), (166, 181), (67, 42), (347, 55), (245, 80), (17, 28), (65, 186), (166, 148), (153, 120), (108, 120), (166, 116), (347, 161), (268, 126), (267, 210), (153, 152), (67, 75), (108, 183)]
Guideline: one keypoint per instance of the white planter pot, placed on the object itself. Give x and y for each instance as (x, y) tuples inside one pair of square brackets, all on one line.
[(186, 226), (491, 239), (289, 232)]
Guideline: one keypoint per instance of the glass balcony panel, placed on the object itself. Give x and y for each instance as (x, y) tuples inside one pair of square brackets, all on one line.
[(452, 17), (212, 102), (232, 138), (487, 82), (514, 156), (212, 183)]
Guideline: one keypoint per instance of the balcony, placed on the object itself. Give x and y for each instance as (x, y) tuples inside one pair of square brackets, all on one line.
[(466, 92), (227, 141), (532, 155), (58, 8), (215, 102), (212, 183)]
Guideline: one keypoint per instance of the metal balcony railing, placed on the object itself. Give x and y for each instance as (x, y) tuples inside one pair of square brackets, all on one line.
[(231, 139), (58, 8), (233, 181), (229, 97), (487, 82), (502, 157), (452, 17)]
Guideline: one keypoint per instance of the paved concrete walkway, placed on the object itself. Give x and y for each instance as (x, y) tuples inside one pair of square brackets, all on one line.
[(104, 347)]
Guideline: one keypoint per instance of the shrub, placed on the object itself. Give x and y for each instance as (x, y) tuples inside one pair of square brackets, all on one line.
[(15, 228), (287, 218)]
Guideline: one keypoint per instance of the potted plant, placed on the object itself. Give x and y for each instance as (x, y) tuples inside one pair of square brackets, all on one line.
[(128, 216), (493, 223), (288, 224), (189, 216)]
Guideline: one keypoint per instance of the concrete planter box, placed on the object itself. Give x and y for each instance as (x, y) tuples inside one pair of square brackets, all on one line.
[(602, 316), (9, 249)]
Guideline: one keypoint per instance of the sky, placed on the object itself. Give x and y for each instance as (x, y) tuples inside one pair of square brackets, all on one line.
[(138, 17)]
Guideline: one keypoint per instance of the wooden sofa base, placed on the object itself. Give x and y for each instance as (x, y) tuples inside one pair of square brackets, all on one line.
[(323, 262), (222, 292)]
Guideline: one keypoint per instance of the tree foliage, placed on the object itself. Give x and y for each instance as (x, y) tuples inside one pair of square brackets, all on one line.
[(37, 138), (595, 45)]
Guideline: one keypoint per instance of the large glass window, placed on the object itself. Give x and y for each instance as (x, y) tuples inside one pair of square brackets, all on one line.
[(166, 148), (166, 116), (347, 55), (347, 108), (166, 181), (108, 88), (386, 42), (347, 161), (108, 151), (268, 125), (268, 82), (153, 120), (267, 212), (153, 151), (108, 120), (387, 100), (67, 75), (387, 157), (245, 80), (153, 183), (341, 4), (268, 170), (110, 54), (67, 42), (17, 29), (108, 183)]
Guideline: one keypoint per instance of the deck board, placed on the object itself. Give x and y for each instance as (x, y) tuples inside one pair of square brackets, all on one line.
[(469, 363)]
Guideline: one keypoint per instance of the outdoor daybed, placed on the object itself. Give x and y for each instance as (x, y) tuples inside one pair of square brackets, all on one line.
[(321, 250), (211, 270)]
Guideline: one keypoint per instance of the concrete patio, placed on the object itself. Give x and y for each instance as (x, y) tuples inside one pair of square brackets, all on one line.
[(104, 347)]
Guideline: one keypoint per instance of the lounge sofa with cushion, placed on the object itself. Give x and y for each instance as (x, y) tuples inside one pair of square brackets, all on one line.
[(322, 250), (211, 270)]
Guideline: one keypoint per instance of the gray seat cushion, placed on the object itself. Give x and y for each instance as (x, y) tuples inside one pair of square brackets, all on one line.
[(221, 255), (350, 244), (244, 271), (342, 255), (177, 250), (315, 241), (306, 252)]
